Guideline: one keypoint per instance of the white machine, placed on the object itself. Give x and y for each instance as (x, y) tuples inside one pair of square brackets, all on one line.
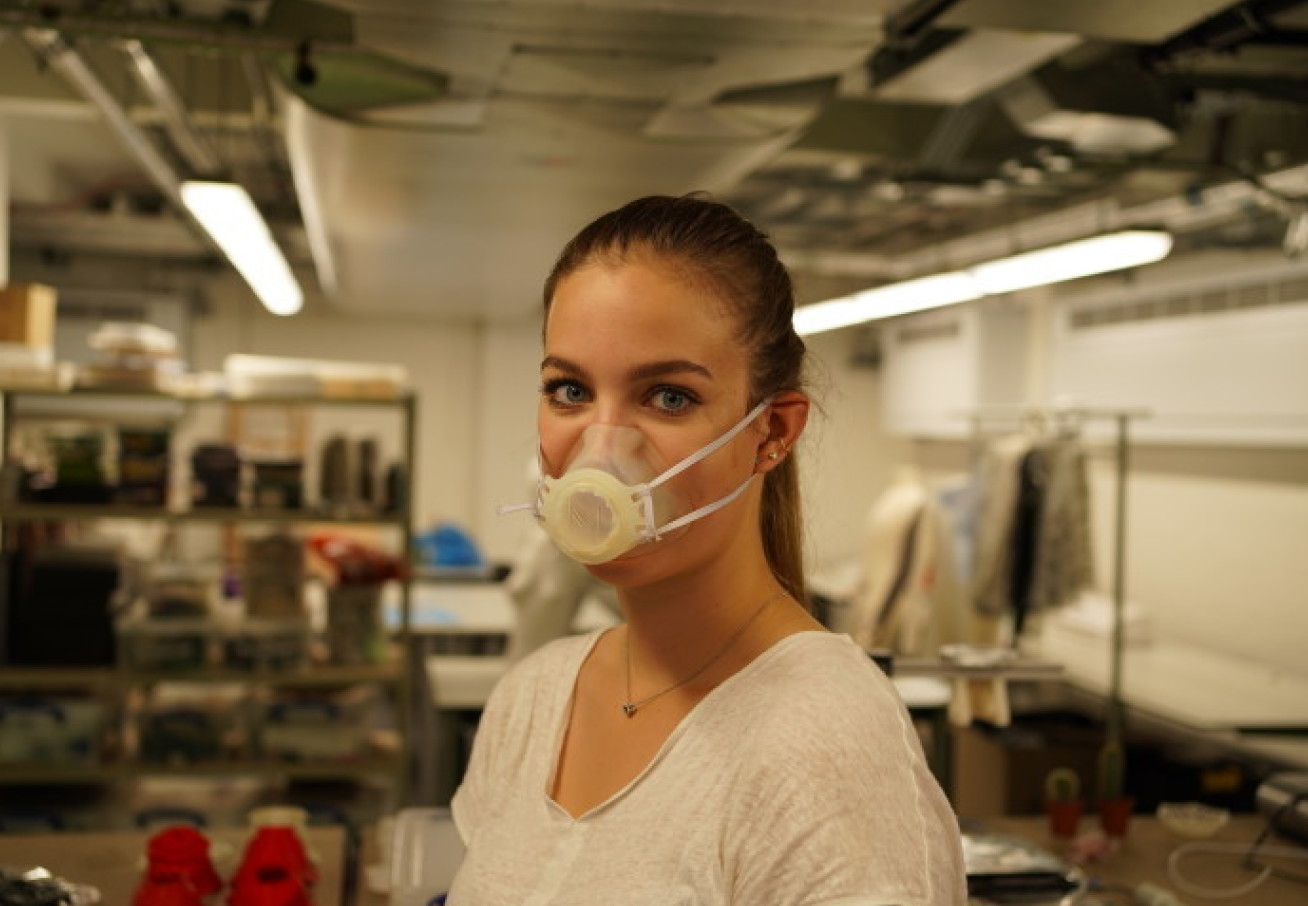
[(1283, 798)]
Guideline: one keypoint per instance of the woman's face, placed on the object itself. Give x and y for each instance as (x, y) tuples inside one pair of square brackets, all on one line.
[(638, 345)]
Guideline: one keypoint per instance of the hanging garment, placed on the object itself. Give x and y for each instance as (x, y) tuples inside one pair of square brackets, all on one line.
[(1063, 562), (980, 699), (1025, 537), (959, 500), (908, 598), (1000, 470)]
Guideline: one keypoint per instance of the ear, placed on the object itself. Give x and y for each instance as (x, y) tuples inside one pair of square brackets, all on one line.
[(786, 418)]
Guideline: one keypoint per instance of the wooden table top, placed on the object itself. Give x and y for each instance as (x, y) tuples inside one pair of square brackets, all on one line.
[(1143, 854), (113, 861)]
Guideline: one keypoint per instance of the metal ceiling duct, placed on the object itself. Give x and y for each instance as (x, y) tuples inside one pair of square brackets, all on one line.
[(1104, 109), (176, 122), (1177, 214), (961, 66), (64, 59)]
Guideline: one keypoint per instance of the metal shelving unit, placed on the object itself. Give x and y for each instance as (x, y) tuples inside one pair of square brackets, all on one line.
[(116, 685), (67, 512)]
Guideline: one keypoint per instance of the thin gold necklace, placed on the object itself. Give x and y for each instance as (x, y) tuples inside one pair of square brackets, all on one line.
[(630, 708)]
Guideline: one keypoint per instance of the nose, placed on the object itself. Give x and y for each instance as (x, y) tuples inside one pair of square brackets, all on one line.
[(611, 410)]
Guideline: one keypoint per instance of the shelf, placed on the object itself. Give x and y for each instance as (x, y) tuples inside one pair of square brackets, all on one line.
[(401, 399), (54, 773), (295, 770), (121, 685), (323, 675), (57, 677), (113, 773), (61, 512)]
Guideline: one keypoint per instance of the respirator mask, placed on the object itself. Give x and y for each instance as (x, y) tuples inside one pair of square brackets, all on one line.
[(612, 496)]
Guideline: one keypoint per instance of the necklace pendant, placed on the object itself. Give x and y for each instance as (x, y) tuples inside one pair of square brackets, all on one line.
[(629, 709)]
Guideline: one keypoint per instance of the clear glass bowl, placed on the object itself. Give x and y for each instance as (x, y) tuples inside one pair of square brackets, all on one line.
[(1192, 819)]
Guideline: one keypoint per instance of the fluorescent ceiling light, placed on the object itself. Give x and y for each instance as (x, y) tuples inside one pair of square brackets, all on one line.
[(886, 302), (1083, 258), (226, 212)]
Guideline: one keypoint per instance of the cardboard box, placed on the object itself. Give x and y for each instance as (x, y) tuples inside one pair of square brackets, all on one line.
[(1002, 771), (27, 314)]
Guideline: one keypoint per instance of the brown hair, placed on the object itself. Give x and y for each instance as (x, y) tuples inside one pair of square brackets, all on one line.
[(713, 242)]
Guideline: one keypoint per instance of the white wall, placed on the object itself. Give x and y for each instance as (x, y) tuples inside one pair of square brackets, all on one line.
[(506, 433), (1217, 552), (847, 457), (1217, 536)]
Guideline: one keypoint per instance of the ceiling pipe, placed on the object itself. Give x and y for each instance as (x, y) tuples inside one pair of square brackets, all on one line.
[(908, 25), (249, 248), (63, 58), (1177, 214), (198, 34), (176, 121), (1226, 31)]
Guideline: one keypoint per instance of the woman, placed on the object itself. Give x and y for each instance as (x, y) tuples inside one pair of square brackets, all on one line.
[(719, 746)]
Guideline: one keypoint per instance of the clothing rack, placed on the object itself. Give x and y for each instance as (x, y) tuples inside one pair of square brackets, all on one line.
[(1076, 416)]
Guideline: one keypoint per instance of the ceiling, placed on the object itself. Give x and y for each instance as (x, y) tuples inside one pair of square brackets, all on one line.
[(430, 158)]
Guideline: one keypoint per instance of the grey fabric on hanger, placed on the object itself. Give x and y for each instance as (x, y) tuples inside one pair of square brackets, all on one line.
[(1064, 559)]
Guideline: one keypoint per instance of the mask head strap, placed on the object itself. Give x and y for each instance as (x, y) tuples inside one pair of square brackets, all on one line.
[(705, 452)]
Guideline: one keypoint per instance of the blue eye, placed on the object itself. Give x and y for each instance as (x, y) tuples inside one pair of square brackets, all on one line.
[(562, 392), (672, 400)]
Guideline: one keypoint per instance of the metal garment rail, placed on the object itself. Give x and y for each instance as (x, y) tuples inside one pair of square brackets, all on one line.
[(1076, 416)]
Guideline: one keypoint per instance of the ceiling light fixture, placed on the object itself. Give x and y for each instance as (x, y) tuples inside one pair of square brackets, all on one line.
[(228, 215), (1082, 258), (223, 210), (886, 302)]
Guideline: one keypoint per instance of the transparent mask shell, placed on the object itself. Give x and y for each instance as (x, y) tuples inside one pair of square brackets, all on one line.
[(601, 507)]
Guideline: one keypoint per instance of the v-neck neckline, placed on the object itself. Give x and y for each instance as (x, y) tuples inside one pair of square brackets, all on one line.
[(564, 715)]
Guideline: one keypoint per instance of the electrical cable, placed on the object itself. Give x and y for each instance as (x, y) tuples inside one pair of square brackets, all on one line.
[(1248, 861), (1214, 893)]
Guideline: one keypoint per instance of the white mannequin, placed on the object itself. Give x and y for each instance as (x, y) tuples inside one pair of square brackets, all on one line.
[(907, 600)]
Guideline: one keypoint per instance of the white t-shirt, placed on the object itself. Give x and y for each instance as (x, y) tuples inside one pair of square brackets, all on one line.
[(799, 780)]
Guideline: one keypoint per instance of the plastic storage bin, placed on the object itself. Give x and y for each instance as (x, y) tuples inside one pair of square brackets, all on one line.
[(153, 802), (171, 644), (426, 851), (51, 730), (265, 645), (316, 727), (180, 724)]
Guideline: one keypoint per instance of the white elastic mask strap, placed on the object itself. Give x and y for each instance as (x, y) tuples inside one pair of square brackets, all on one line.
[(705, 452), (505, 508), (697, 456), (704, 510)]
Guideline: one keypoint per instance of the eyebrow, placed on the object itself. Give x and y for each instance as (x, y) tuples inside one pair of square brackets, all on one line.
[(642, 372)]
